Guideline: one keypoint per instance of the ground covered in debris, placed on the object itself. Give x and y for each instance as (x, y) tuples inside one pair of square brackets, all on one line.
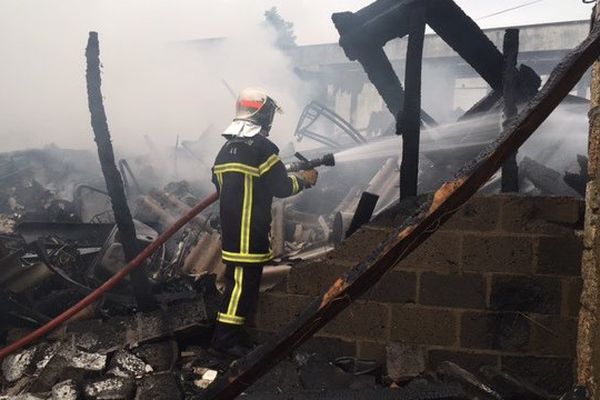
[(119, 353)]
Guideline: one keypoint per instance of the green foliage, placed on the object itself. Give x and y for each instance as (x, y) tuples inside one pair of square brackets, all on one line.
[(283, 28)]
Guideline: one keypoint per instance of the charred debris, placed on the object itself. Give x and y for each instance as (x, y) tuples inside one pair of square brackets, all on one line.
[(67, 225)]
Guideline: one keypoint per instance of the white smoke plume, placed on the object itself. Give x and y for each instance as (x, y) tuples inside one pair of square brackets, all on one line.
[(156, 80)]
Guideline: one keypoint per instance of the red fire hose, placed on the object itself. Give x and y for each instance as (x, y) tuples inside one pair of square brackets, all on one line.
[(109, 284)]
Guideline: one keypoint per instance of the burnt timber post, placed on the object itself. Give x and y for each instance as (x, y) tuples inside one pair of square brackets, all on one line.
[(114, 184), (588, 339), (510, 170), (408, 122)]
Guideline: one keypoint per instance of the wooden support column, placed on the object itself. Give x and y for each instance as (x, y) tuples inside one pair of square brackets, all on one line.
[(588, 340), (510, 170), (408, 122), (114, 184)]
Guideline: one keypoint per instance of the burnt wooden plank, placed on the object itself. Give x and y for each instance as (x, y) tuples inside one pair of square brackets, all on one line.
[(449, 198)]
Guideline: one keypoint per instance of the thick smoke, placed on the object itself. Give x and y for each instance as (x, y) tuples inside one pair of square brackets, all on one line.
[(158, 82)]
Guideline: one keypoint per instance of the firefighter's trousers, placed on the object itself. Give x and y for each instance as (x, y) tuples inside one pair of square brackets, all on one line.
[(242, 285)]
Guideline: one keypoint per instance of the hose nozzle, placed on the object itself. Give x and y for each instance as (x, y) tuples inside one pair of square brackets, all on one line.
[(304, 164)]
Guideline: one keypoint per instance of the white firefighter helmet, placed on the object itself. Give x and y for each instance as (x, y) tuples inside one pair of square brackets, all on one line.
[(254, 113)]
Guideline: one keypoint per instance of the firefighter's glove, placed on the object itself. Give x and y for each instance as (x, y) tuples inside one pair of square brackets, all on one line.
[(309, 177)]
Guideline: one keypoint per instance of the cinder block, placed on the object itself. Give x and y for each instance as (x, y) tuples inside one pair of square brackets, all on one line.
[(440, 252), (552, 335), (571, 297), (367, 320), (276, 310), (312, 279), (423, 325), (547, 215), (471, 361), (495, 331), (354, 249), (497, 253), (481, 213), (555, 374), (160, 386), (328, 348), (372, 351), (394, 287), (538, 294), (405, 361), (452, 290), (560, 255)]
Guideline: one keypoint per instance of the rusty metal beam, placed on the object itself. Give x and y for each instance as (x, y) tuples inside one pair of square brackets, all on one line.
[(449, 198)]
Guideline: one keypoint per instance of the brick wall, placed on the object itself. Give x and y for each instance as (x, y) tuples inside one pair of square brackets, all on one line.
[(498, 284)]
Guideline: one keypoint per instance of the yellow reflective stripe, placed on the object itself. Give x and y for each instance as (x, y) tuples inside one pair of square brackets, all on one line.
[(238, 277), (246, 214), (295, 184), (248, 169), (249, 258), (220, 179), (267, 165), (230, 319), (236, 167)]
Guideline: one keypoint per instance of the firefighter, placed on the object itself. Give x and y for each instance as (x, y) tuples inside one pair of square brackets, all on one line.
[(248, 174)]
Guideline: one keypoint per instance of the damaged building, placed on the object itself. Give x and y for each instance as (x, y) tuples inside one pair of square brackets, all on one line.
[(442, 255)]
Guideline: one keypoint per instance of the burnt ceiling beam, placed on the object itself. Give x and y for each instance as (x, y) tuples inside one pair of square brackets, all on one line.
[(450, 197), (360, 47), (461, 33), (385, 20)]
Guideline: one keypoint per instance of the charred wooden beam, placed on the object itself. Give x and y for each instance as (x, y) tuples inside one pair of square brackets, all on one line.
[(510, 170), (449, 198), (408, 124), (375, 62), (114, 184), (461, 33), (363, 213)]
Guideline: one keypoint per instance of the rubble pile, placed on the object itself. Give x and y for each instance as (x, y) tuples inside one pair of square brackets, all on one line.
[(118, 358), (133, 358)]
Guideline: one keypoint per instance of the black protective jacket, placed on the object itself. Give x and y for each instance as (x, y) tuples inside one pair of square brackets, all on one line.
[(248, 174)]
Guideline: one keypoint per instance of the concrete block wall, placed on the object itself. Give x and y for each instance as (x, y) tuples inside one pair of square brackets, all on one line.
[(498, 284)]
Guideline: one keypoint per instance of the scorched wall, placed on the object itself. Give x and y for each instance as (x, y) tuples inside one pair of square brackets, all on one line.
[(499, 284)]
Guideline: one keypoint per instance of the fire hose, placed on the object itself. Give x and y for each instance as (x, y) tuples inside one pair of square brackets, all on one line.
[(110, 283), (303, 164)]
